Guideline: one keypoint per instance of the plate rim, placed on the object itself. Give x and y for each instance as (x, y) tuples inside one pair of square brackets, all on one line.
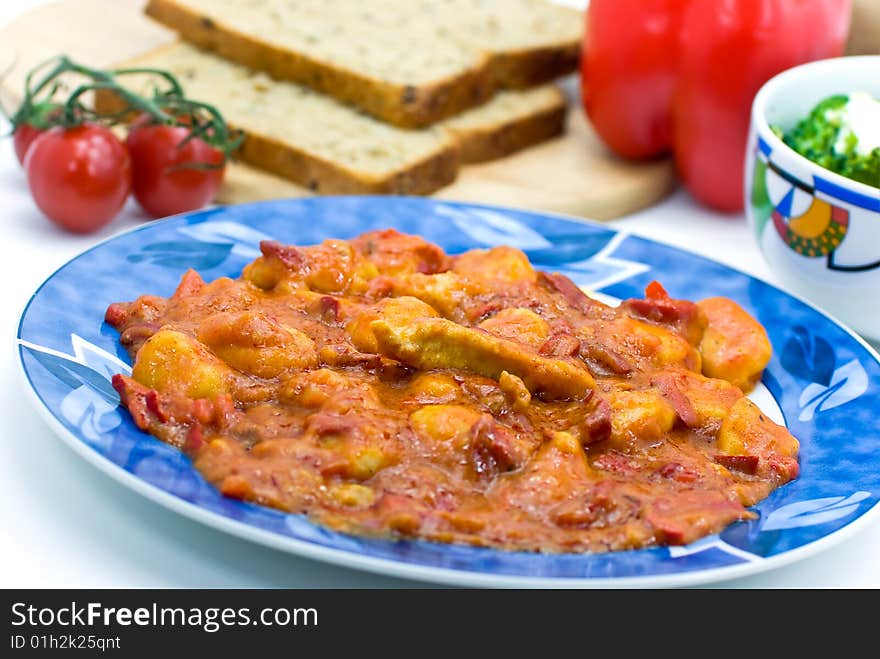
[(414, 571)]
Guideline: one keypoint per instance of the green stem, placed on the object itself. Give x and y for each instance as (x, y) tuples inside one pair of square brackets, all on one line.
[(169, 106), (176, 89), (134, 101)]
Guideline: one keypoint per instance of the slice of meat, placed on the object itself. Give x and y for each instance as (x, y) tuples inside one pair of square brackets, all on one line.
[(277, 263), (292, 257), (561, 344), (559, 283), (495, 448), (596, 425), (438, 343), (747, 464), (330, 266), (515, 390), (603, 358), (681, 316)]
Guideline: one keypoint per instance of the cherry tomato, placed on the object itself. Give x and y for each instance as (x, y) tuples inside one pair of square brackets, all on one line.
[(22, 138), (170, 173), (79, 177)]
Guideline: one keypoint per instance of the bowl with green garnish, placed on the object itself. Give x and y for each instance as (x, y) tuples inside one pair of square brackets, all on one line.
[(812, 185)]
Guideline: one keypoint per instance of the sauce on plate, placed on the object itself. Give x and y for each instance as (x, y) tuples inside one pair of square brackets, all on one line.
[(384, 387)]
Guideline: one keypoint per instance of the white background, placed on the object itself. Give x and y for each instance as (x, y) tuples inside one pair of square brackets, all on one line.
[(65, 524)]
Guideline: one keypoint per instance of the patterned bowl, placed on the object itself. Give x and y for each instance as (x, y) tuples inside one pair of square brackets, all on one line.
[(819, 231)]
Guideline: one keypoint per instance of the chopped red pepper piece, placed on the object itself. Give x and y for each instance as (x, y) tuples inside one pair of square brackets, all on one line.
[(747, 464)]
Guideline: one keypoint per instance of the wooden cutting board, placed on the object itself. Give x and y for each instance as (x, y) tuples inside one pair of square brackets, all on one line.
[(573, 174), (864, 37)]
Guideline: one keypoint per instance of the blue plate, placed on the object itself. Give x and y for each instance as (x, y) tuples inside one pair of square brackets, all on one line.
[(823, 383)]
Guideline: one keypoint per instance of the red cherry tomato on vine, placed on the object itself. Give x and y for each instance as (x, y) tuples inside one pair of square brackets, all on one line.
[(79, 177), (170, 173), (22, 138)]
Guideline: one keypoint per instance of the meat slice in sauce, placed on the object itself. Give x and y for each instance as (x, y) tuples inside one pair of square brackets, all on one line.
[(440, 343), (383, 387), (574, 297), (681, 316)]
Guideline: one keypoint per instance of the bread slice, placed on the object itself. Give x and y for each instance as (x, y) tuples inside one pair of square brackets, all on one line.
[(330, 148), (410, 63), (528, 42), (511, 121)]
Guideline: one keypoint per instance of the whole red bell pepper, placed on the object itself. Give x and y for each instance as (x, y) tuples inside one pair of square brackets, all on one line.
[(679, 76)]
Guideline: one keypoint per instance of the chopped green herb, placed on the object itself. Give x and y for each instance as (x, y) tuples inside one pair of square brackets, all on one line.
[(842, 134)]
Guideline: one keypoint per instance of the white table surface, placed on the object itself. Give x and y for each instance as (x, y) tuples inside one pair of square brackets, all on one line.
[(65, 524)]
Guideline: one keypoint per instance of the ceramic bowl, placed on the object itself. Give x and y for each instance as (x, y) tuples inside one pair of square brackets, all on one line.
[(819, 231)]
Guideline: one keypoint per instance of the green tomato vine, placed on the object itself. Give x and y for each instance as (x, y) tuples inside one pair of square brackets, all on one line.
[(166, 105)]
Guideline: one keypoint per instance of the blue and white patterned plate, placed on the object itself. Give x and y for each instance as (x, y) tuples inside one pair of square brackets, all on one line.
[(823, 382)]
